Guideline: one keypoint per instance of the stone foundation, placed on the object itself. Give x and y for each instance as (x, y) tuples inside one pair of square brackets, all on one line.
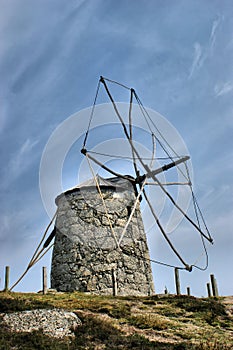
[(86, 255)]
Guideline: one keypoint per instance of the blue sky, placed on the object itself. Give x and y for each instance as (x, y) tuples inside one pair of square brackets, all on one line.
[(177, 55)]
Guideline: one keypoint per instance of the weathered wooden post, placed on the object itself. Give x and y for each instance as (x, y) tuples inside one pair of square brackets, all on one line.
[(214, 285), (208, 290), (114, 283), (188, 291), (7, 278), (177, 280), (44, 280)]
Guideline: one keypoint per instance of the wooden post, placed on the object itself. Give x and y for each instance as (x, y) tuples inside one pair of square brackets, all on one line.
[(188, 291), (114, 283), (7, 278), (208, 290), (44, 279), (214, 285), (177, 280)]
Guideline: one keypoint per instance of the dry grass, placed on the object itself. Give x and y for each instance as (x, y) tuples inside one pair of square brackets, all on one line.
[(159, 322)]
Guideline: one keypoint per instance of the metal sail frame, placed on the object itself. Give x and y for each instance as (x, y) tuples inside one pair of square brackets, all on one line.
[(140, 180)]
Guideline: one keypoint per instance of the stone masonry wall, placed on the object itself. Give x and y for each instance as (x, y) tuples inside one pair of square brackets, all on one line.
[(85, 251)]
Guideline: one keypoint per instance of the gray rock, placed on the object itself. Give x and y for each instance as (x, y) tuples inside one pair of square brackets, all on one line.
[(56, 323)]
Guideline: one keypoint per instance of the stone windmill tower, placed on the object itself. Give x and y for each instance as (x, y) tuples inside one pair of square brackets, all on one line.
[(100, 244), (86, 256)]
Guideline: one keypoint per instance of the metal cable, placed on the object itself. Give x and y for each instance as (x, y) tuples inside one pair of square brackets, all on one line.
[(115, 82), (131, 158), (91, 116), (145, 113), (36, 254)]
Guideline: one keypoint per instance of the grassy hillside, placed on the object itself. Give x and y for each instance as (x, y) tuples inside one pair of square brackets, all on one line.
[(158, 322)]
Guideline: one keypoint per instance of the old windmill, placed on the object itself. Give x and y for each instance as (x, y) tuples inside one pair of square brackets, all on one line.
[(100, 242)]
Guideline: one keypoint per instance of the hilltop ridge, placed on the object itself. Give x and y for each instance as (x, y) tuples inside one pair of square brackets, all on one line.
[(156, 322)]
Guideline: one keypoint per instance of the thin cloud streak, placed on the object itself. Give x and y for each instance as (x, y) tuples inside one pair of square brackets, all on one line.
[(19, 163), (215, 25), (197, 59), (202, 53), (223, 89)]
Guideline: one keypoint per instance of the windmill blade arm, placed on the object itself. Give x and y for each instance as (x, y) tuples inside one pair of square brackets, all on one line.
[(187, 267), (134, 150), (131, 133), (153, 174), (165, 167), (170, 165), (85, 152), (181, 210)]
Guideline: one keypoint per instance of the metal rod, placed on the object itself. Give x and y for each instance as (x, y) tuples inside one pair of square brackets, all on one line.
[(85, 152), (162, 169), (168, 183), (169, 166), (123, 125), (131, 133), (180, 209), (164, 233)]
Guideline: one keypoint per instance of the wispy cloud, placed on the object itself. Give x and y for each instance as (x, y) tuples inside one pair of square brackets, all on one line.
[(215, 25), (197, 59), (201, 53), (19, 163), (223, 89)]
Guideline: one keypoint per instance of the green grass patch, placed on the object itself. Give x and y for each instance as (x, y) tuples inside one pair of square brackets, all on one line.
[(152, 321), (209, 310), (13, 302)]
